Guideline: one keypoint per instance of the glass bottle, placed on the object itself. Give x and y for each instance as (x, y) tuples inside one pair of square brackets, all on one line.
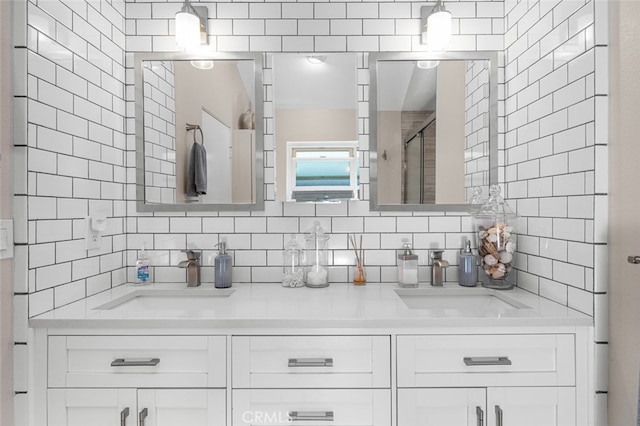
[(407, 267), (495, 228), (293, 264), (317, 256)]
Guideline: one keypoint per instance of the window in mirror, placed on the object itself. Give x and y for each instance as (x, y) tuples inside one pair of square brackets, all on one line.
[(322, 171), (315, 99), (433, 127), (184, 102)]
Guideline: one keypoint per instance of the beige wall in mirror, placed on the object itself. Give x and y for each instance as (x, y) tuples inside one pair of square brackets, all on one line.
[(315, 100)]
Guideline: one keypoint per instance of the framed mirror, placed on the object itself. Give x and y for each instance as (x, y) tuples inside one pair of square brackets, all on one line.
[(316, 126), (433, 129), (199, 131)]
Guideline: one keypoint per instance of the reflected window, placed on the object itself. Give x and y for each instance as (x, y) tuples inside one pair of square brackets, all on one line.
[(322, 171)]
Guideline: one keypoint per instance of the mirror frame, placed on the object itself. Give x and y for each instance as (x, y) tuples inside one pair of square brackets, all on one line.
[(374, 58), (141, 204)]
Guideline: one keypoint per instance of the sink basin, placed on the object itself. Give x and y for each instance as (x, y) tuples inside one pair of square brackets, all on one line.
[(160, 300), (458, 299)]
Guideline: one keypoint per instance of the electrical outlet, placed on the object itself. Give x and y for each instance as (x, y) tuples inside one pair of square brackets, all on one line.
[(93, 238)]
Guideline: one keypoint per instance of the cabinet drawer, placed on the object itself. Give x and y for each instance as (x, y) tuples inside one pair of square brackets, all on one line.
[(137, 361), (344, 407), (486, 360), (311, 361)]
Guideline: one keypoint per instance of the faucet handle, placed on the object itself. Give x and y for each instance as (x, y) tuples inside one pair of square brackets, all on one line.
[(192, 254)]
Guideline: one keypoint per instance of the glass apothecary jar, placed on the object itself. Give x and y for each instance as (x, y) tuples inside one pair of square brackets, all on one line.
[(495, 228), (293, 264), (317, 257)]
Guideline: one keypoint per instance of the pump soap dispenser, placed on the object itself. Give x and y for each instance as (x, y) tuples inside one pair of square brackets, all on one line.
[(407, 267), (222, 265), (467, 268)]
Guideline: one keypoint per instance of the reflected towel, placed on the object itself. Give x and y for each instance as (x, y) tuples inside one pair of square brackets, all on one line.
[(197, 173)]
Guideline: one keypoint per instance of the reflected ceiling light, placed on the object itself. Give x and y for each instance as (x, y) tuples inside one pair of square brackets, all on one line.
[(202, 64), (191, 26), (316, 59), (436, 27), (425, 65)]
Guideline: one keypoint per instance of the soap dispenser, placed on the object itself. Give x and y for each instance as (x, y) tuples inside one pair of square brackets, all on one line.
[(222, 265), (407, 267), (142, 267), (467, 268)]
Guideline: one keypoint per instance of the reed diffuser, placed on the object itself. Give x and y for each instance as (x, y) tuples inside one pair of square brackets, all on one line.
[(359, 277)]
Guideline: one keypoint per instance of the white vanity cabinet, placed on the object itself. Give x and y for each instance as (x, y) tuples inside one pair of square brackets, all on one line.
[(482, 380), (131, 407), (320, 380), (513, 406), (136, 380)]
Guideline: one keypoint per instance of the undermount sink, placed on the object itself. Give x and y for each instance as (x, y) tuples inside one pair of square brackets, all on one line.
[(155, 300), (458, 299)]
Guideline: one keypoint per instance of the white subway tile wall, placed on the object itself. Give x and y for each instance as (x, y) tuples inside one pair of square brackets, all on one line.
[(75, 144)]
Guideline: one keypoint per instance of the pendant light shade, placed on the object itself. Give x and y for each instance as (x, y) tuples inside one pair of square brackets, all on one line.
[(436, 27), (191, 26)]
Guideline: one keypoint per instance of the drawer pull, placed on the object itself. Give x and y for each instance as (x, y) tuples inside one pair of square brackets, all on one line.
[(122, 362), (311, 416), (310, 362), (480, 416), (486, 360), (142, 416), (498, 416), (123, 416)]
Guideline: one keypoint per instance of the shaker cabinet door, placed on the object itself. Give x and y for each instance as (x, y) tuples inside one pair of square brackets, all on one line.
[(532, 406), (173, 407), (95, 407), (441, 407)]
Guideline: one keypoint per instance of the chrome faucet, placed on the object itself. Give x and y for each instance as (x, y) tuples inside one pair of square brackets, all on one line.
[(192, 265), (437, 268)]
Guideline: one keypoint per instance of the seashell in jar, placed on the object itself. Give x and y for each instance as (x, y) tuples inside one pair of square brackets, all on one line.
[(493, 238), (493, 230), (506, 235), (497, 273), (505, 257), (510, 247), (508, 229), (482, 234), (490, 260)]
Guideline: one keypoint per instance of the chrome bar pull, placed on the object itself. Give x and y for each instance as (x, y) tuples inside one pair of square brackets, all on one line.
[(498, 416), (122, 362), (142, 416), (310, 362), (123, 416), (633, 259), (486, 360), (311, 416), (480, 416)]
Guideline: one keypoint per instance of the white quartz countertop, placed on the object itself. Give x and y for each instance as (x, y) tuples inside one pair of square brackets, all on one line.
[(341, 305)]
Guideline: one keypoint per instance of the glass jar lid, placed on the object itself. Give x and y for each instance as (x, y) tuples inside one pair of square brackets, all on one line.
[(317, 233), (495, 206)]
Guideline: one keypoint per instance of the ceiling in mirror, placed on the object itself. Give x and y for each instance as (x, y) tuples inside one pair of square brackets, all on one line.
[(315, 110), (433, 129), (199, 137)]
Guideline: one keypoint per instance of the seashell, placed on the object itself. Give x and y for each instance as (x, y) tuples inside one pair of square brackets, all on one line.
[(506, 257), (506, 235), (493, 230), (497, 273), (490, 260), (493, 238), (483, 234), (501, 267), (510, 247), (508, 229), (491, 249)]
